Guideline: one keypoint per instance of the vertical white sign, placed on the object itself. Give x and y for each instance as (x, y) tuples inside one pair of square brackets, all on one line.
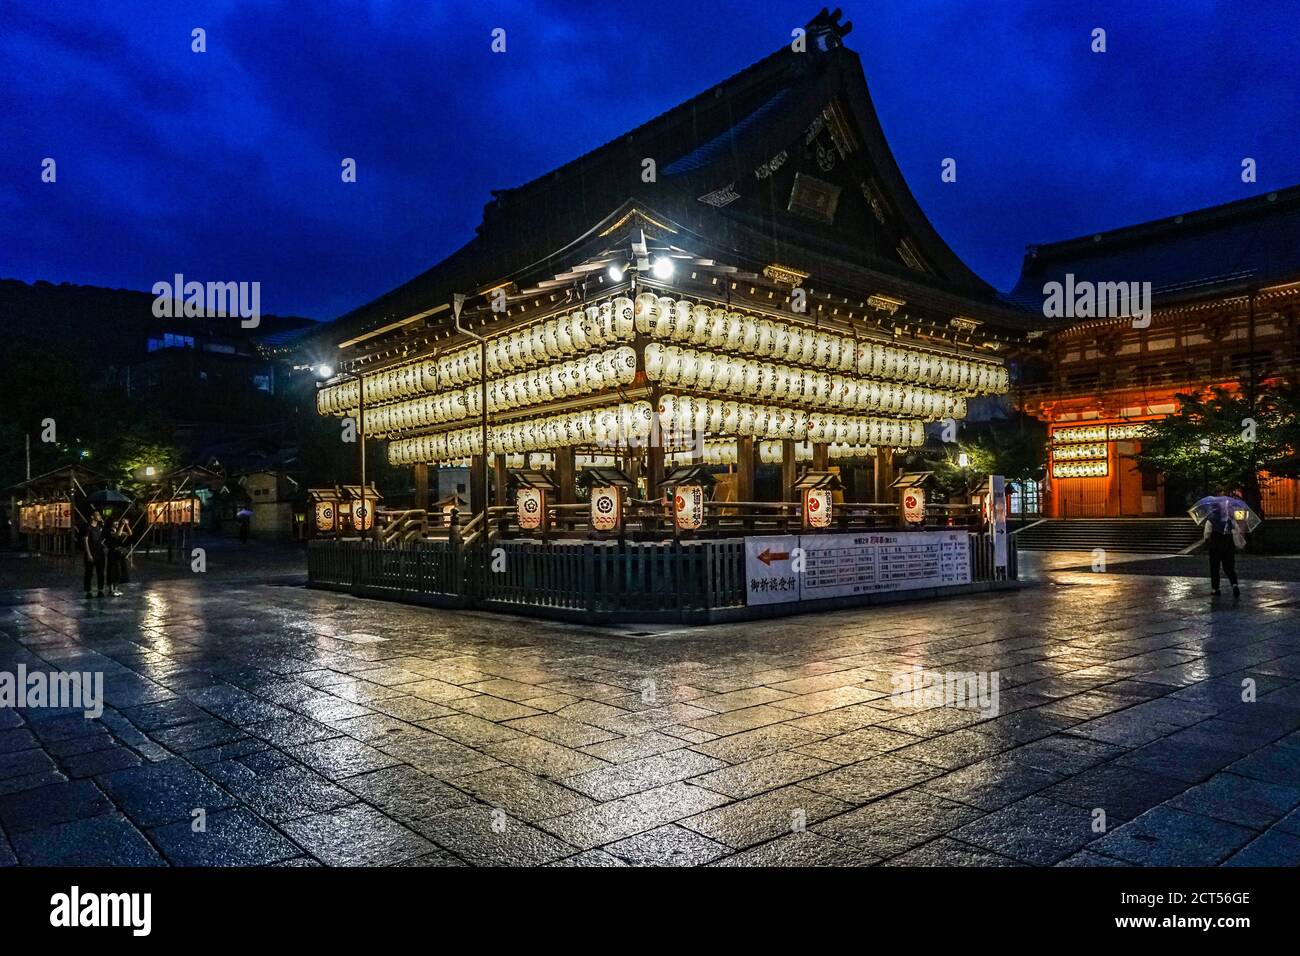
[(998, 520)]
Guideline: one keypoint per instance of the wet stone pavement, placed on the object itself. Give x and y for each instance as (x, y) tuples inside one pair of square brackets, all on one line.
[(310, 728)]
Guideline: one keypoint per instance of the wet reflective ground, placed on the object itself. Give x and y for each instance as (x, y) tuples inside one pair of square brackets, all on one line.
[(254, 724)]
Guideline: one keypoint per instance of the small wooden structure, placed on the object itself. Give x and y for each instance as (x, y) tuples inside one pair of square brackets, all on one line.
[(325, 506), (534, 494), (816, 490), (913, 488), (688, 489), (608, 492), (357, 509)]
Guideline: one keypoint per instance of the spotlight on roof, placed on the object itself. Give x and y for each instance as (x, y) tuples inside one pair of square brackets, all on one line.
[(324, 371), (616, 272), (663, 268)]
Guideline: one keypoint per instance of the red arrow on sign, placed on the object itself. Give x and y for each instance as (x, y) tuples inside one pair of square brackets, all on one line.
[(768, 556)]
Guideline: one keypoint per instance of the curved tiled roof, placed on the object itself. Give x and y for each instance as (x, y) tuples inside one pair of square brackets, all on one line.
[(712, 143), (1234, 247)]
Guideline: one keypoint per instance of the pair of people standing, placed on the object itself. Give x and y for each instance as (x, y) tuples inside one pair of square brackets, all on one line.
[(105, 549)]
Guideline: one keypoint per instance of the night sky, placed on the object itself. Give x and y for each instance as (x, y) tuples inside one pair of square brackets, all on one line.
[(225, 165)]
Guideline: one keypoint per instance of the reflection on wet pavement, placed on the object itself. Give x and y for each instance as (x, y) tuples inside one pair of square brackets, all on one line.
[(1138, 721)]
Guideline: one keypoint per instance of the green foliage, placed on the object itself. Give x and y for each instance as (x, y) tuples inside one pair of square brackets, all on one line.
[(1015, 448), (1224, 441)]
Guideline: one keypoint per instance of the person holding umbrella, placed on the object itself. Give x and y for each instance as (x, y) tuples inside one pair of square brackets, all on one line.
[(245, 517), (93, 552), (1227, 520), (117, 539)]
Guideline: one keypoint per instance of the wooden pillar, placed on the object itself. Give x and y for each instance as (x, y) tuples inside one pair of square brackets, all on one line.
[(654, 455), (422, 486), (745, 469), (499, 479), (884, 475), (566, 475), (477, 487), (821, 459), (788, 471)]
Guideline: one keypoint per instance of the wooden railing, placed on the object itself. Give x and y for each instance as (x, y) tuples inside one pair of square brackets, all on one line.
[(653, 521)]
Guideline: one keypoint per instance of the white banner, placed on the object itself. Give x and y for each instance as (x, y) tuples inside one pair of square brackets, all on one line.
[(998, 520), (770, 570), (840, 565)]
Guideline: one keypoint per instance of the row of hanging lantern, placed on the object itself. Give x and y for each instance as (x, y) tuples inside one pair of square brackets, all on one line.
[(1079, 452), (616, 367), (338, 399), (708, 371), (610, 323), (725, 452), (698, 324), (684, 416), (600, 325), (613, 425)]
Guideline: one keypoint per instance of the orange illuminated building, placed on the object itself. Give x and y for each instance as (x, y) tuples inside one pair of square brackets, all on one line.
[(1224, 305)]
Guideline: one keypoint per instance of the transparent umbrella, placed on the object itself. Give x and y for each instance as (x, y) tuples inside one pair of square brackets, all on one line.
[(1224, 508)]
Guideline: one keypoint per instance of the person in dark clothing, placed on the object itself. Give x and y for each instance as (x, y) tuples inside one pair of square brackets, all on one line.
[(1223, 549), (243, 528), (94, 552), (117, 540)]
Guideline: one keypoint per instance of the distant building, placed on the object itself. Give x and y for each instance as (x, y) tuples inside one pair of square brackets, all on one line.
[(1225, 310)]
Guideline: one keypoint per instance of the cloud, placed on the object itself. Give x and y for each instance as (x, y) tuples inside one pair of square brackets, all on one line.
[(226, 164)]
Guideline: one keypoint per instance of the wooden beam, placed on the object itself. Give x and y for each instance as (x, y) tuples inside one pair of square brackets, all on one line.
[(566, 475), (499, 479), (745, 469), (884, 474), (654, 470), (788, 473), (422, 486), (821, 456), (477, 489)]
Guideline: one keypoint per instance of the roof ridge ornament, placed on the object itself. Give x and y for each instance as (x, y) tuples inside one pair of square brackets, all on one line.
[(826, 29)]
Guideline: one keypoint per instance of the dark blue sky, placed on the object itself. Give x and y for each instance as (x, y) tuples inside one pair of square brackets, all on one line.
[(225, 165)]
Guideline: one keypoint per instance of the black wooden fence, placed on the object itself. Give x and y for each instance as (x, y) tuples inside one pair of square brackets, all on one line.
[(584, 580)]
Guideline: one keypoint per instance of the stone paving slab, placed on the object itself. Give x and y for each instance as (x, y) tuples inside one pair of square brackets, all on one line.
[(310, 731)]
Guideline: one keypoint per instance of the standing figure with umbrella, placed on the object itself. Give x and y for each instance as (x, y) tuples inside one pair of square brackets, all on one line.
[(93, 552), (245, 517), (1227, 520)]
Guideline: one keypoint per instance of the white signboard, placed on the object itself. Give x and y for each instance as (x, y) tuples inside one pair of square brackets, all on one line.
[(997, 505), (840, 565), (770, 569)]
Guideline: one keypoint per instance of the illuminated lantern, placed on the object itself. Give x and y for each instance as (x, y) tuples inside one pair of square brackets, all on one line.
[(817, 506), (699, 325), (735, 330), (717, 327), (672, 364), (914, 505)]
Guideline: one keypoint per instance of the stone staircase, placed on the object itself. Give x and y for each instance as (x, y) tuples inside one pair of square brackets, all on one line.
[(1141, 535)]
